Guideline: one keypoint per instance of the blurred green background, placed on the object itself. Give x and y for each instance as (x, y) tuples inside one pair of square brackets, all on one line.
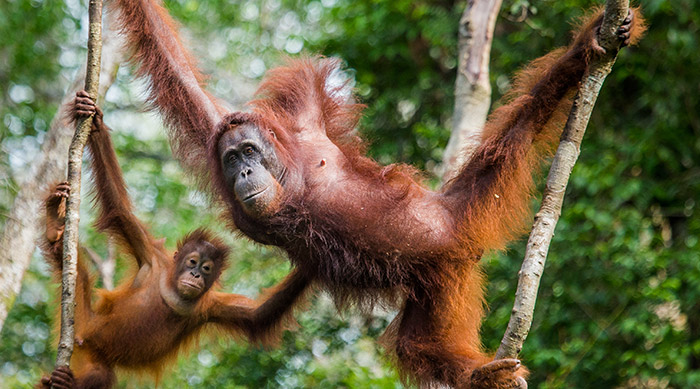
[(619, 304)]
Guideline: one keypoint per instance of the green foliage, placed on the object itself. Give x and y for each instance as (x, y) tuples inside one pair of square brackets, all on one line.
[(618, 305), (31, 60), (618, 301), (404, 56)]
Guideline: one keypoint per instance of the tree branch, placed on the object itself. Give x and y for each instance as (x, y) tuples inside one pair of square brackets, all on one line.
[(75, 158), (553, 197)]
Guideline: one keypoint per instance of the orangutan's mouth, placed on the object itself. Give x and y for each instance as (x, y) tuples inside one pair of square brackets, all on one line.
[(190, 284), (254, 195)]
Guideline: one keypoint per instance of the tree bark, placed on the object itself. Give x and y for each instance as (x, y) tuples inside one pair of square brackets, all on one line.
[(75, 159), (472, 86), (553, 197), (18, 239)]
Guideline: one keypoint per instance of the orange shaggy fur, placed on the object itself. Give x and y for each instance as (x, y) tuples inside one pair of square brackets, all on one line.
[(372, 234), (135, 328)]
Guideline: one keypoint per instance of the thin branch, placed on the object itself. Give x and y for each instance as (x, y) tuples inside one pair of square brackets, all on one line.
[(94, 257), (105, 266), (75, 157), (562, 165)]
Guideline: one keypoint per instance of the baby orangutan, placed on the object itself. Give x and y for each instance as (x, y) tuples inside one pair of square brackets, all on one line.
[(149, 317)]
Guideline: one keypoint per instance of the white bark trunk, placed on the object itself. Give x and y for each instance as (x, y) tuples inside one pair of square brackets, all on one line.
[(472, 86)]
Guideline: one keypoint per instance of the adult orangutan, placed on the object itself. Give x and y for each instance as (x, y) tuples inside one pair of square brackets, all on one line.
[(143, 323), (292, 173)]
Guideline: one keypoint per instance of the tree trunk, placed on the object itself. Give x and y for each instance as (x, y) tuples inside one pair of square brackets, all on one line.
[(472, 86)]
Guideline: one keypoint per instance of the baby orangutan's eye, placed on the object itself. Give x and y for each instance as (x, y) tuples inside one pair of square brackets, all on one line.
[(206, 268)]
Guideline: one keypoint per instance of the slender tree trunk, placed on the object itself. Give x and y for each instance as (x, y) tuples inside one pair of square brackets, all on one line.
[(472, 86), (75, 160), (562, 165), (18, 239)]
